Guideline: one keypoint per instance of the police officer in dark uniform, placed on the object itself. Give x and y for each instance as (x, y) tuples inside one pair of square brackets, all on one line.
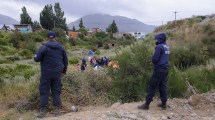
[(53, 61), (158, 79)]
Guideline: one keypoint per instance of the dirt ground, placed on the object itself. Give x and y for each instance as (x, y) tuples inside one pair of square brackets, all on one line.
[(197, 107)]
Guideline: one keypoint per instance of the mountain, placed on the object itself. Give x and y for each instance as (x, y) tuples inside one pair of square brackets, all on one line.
[(102, 21), (7, 20)]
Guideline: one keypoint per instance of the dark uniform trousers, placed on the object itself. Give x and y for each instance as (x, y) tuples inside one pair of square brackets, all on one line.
[(50, 80), (158, 80)]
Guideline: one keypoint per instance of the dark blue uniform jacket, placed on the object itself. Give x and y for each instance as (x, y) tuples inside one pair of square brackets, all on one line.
[(52, 57), (161, 55)]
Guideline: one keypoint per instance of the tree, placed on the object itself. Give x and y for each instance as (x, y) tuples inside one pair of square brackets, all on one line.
[(112, 28), (36, 25), (82, 29), (81, 24), (73, 28), (47, 17), (60, 20), (25, 18)]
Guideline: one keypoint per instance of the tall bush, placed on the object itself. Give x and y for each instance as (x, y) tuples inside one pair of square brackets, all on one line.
[(131, 80)]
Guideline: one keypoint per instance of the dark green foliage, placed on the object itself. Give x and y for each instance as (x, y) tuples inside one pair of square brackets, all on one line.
[(15, 39), (13, 58), (73, 28), (185, 57), (106, 46), (18, 70), (209, 43), (82, 30), (202, 79), (202, 17), (25, 18), (176, 86), (26, 54), (47, 17), (60, 20), (112, 28), (73, 60), (61, 35), (36, 25), (208, 29), (81, 25), (131, 80), (101, 35), (97, 52)]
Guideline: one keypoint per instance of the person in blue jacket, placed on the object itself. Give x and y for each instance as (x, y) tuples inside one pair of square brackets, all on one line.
[(158, 79), (53, 62)]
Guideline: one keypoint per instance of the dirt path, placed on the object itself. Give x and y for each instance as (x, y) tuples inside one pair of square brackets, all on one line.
[(202, 108)]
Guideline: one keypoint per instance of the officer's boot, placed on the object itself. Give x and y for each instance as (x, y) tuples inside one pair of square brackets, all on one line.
[(57, 111), (42, 112), (162, 105), (145, 106)]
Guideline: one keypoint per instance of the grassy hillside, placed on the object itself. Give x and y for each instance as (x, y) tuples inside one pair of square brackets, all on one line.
[(191, 42)]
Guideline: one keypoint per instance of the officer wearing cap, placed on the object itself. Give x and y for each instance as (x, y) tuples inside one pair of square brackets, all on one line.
[(158, 79), (53, 61)]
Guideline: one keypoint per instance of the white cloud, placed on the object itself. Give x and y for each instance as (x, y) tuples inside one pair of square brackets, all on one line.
[(148, 11), (13, 8)]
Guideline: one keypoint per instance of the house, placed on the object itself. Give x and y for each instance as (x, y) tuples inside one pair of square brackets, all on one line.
[(95, 30), (6, 28), (122, 34), (138, 35), (23, 28), (73, 34)]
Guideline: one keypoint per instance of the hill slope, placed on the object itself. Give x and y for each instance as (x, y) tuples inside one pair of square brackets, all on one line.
[(102, 21), (7, 20)]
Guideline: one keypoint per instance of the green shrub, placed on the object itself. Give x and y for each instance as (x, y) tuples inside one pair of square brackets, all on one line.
[(73, 60), (7, 50), (209, 43), (184, 57), (97, 52), (3, 60), (176, 86), (3, 42), (26, 54), (37, 37), (16, 38), (13, 58), (131, 80), (208, 29), (202, 79), (106, 46)]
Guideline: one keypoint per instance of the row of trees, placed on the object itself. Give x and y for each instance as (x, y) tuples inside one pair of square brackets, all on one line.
[(51, 18)]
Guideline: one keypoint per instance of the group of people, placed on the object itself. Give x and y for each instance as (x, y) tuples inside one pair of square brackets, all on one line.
[(53, 60)]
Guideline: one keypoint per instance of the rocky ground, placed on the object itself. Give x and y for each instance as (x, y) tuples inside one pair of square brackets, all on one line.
[(197, 107)]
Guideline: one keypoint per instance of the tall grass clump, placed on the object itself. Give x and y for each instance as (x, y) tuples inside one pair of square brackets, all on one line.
[(203, 79), (184, 57), (18, 82), (131, 80), (176, 85), (209, 43)]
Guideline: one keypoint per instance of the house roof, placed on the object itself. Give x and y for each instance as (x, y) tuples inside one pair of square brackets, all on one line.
[(73, 34)]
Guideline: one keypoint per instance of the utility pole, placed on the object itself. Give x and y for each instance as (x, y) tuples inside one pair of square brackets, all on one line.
[(175, 18), (175, 14)]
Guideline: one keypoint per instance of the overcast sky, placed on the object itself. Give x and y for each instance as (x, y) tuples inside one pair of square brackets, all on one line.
[(151, 12)]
